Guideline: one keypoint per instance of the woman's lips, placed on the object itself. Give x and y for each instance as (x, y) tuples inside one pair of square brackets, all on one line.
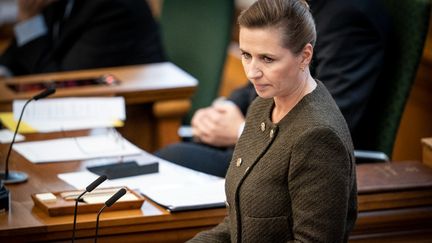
[(261, 86)]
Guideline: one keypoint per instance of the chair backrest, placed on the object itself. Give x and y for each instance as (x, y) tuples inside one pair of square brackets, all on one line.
[(381, 122), (196, 34)]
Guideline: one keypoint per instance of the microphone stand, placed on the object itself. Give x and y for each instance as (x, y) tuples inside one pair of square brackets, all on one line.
[(14, 176), (89, 188), (97, 222), (17, 176), (75, 215), (108, 203)]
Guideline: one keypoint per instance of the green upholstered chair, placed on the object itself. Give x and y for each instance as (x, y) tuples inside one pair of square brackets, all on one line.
[(410, 24), (196, 34)]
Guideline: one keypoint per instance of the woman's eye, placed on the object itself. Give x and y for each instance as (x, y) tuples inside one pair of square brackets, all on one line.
[(246, 55), (268, 59)]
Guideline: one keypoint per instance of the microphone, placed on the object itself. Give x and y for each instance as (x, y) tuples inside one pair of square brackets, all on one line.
[(12, 177), (89, 188), (49, 91), (108, 203), (96, 183)]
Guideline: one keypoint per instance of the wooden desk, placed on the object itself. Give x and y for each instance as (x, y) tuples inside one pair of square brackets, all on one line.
[(24, 222), (381, 219), (157, 97)]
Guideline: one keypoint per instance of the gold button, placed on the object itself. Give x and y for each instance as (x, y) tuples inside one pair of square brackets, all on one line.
[(271, 133), (262, 126), (239, 162)]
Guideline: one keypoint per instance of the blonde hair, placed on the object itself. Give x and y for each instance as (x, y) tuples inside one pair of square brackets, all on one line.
[(292, 17)]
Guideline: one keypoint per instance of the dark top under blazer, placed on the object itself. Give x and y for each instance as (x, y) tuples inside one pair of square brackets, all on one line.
[(98, 33), (293, 181)]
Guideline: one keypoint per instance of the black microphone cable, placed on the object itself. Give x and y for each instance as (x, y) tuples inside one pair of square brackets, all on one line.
[(108, 203), (89, 188)]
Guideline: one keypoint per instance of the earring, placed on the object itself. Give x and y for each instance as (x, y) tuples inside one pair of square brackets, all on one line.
[(302, 68)]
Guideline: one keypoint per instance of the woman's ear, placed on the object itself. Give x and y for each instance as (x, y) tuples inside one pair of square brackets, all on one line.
[(307, 54)]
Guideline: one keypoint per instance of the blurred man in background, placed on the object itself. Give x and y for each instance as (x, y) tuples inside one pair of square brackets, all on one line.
[(62, 35)]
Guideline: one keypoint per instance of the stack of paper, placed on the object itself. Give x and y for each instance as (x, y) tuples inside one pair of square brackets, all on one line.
[(175, 187)]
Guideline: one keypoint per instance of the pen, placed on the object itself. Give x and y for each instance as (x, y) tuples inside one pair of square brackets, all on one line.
[(74, 194)]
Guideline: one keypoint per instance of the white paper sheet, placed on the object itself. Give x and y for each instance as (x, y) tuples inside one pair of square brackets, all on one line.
[(174, 187), (62, 114), (78, 148), (6, 136)]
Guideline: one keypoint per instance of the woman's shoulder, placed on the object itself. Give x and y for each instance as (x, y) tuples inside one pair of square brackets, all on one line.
[(320, 105), (319, 115)]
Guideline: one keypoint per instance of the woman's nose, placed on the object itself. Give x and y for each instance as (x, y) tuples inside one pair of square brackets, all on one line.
[(253, 71)]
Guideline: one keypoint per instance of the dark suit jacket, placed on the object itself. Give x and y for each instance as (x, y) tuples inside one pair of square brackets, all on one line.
[(98, 33), (348, 56), (293, 181)]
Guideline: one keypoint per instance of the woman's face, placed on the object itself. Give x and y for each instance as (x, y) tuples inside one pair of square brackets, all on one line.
[(273, 69)]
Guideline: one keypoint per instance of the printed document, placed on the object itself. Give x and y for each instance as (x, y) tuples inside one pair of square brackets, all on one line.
[(63, 114)]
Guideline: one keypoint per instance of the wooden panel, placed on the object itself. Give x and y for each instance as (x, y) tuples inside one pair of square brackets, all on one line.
[(398, 225)]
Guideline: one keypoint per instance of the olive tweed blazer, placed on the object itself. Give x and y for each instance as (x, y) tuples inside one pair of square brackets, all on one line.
[(293, 181)]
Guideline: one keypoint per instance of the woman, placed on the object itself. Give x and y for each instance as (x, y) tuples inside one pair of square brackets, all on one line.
[(292, 175)]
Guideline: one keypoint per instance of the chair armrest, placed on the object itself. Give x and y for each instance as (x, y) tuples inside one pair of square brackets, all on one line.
[(369, 156)]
